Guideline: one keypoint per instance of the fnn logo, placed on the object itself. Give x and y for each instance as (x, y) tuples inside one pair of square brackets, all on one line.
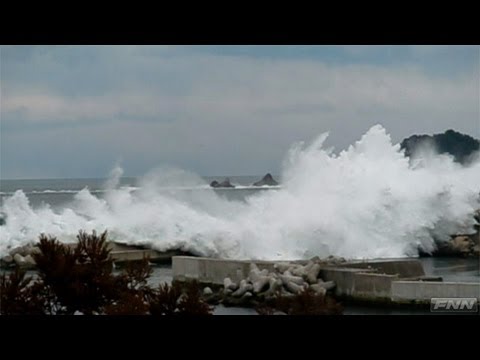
[(454, 305)]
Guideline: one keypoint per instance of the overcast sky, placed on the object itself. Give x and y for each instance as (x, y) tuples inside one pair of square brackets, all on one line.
[(74, 111)]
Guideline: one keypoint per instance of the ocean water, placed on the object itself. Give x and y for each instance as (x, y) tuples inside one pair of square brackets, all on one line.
[(58, 193), (366, 201)]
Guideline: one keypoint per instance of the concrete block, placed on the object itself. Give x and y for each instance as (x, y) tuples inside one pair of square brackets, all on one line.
[(373, 285)]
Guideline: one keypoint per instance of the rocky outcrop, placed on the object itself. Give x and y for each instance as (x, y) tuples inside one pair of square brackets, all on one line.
[(460, 245), (224, 184), (266, 180), (3, 218)]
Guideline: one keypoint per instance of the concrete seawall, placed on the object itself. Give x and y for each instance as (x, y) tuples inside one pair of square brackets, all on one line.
[(213, 271), (405, 268), (359, 283), (423, 291), (386, 281), (119, 253)]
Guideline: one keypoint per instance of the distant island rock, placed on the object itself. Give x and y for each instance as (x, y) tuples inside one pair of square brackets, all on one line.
[(460, 146), (224, 184), (266, 180)]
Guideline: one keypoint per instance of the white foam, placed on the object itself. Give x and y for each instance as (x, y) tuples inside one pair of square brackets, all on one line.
[(368, 201)]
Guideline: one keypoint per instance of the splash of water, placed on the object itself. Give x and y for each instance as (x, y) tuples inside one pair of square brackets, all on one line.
[(368, 201)]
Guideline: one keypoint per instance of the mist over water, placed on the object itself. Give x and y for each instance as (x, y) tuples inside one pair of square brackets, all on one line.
[(367, 201)]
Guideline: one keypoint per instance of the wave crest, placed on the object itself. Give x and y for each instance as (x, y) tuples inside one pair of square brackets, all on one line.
[(367, 201)]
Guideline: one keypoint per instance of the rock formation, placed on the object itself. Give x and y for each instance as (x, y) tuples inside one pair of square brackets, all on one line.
[(224, 184), (266, 180), (460, 245)]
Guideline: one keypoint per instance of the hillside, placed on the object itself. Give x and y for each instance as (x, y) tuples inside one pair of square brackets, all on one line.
[(459, 145)]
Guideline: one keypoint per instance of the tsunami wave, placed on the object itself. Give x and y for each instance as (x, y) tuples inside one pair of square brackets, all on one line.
[(368, 201)]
